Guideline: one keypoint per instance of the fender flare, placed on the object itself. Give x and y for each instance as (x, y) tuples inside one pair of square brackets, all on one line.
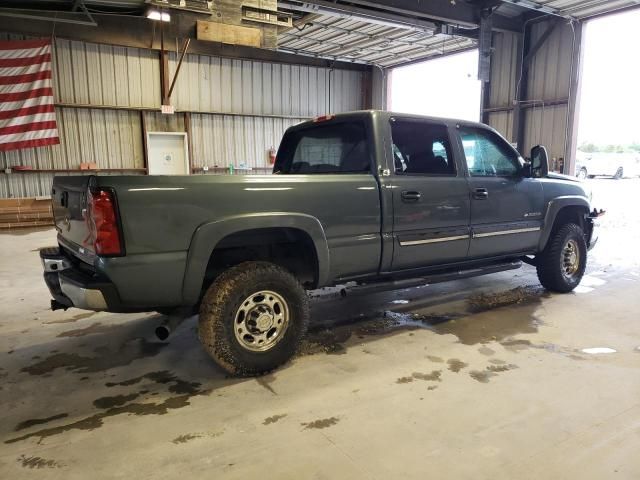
[(208, 235), (554, 208)]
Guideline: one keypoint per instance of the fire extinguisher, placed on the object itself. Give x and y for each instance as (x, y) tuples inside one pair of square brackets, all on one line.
[(272, 155)]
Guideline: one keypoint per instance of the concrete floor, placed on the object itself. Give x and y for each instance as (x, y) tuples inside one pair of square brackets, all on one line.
[(483, 378)]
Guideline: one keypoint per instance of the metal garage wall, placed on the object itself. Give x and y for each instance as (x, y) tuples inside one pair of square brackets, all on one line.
[(221, 140), (546, 101), (548, 90), (239, 108), (503, 83)]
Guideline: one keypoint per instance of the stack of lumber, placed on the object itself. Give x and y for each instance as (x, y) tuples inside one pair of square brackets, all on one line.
[(25, 212)]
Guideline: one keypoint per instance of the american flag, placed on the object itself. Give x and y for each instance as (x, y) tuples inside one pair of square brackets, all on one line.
[(27, 115)]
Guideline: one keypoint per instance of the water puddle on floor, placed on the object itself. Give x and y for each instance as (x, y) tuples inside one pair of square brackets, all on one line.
[(598, 350), (471, 322), (583, 289)]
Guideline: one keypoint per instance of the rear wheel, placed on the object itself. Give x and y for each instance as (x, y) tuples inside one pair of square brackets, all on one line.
[(562, 263), (253, 317)]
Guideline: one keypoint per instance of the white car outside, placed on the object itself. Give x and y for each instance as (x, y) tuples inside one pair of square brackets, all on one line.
[(616, 165)]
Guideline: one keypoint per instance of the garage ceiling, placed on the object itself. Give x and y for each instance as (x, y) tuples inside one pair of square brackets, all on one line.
[(375, 32), (357, 40), (571, 9)]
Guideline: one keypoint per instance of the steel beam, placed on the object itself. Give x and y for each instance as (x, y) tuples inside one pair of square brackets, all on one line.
[(573, 110), (442, 11)]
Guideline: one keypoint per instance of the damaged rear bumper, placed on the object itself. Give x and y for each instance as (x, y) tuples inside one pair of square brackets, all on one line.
[(71, 286)]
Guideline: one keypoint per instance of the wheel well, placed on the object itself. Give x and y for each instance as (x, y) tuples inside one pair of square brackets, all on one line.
[(570, 214), (290, 248)]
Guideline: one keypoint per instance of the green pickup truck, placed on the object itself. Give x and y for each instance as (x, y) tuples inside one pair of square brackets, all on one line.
[(366, 196)]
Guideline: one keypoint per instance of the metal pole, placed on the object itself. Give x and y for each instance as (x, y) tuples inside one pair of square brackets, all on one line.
[(175, 75)]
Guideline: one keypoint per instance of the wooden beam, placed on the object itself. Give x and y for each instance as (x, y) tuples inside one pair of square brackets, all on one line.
[(229, 34)]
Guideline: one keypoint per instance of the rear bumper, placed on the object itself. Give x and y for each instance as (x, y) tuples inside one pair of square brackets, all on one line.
[(70, 286)]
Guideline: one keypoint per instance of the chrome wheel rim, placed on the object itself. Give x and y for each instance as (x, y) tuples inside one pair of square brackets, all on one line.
[(570, 259), (261, 321)]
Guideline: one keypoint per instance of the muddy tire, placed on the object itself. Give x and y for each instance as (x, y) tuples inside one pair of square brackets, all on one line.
[(253, 318), (561, 264)]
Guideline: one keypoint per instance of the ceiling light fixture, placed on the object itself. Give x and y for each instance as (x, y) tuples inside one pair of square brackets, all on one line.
[(155, 14)]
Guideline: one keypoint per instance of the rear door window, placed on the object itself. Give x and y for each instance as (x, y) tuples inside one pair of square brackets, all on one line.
[(421, 148), (338, 147)]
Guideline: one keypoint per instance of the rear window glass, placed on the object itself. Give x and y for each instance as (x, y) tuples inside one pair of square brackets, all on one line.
[(421, 148), (331, 148)]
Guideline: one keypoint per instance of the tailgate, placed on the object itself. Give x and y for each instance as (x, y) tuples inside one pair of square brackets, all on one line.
[(69, 198)]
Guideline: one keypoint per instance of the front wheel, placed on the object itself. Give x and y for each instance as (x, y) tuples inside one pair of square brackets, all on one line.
[(253, 317), (562, 263)]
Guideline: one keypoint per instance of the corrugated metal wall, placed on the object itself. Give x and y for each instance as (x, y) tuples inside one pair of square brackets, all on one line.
[(503, 82), (547, 97), (240, 108), (549, 76)]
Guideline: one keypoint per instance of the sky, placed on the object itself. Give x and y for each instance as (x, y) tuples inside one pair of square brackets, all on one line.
[(446, 87), (610, 97)]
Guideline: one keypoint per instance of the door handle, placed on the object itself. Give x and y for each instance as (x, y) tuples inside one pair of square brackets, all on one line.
[(411, 196), (480, 194)]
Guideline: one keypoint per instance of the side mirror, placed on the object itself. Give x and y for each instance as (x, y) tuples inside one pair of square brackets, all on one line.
[(527, 171), (539, 162)]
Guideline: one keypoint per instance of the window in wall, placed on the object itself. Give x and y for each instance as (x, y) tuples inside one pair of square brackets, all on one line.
[(421, 147), (334, 148), (487, 154)]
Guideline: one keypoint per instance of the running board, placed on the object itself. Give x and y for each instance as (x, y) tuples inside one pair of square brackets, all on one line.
[(384, 285)]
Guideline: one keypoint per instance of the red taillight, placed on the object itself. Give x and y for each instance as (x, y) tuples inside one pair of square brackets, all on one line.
[(104, 220), (323, 118)]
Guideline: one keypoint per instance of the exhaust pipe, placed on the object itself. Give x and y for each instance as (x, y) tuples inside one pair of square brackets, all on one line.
[(168, 326), (56, 305)]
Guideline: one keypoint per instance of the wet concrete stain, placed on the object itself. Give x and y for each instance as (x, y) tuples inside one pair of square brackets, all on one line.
[(434, 376), (481, 376), (501, 368), (75, 318), (265, 382), (321, 423), (185, 438), (273, 419), (38, 421), (456, 365), (90, 330), (131, 350), (115, 401), (38, 462), (194, 436), (432, 387), (497, 361), (516, 344), (184, 390), (404, 380), (329, 341), (435, 359)]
